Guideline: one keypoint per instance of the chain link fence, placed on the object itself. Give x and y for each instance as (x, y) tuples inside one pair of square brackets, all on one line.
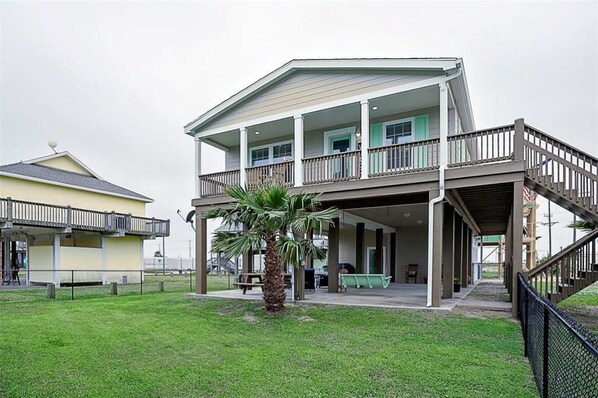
[(33, 285), (562, 353)]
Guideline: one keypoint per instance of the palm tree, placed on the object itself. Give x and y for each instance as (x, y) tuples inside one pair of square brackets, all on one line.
[(269, 213), (583, 225)]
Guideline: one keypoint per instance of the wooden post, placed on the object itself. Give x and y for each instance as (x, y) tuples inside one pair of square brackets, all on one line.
[(434, 279), (448, 248), (458, 249), (379, 251), (333, 241), (393, 256), (114, 288), (517, 239), (464, 257), (51, 290), (359, 247), (518, 140), (201, 253)]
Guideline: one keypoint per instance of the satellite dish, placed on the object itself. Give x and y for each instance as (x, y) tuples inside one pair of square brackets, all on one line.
[(190, 216), (52, 144)]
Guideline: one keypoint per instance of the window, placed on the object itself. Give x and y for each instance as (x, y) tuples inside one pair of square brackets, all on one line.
[(282, 153), (399, 132), (270, 154)]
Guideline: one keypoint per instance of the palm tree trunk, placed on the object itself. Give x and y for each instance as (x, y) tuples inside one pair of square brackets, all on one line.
[(274, 295)]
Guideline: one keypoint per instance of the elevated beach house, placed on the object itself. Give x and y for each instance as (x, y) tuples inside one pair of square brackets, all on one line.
[(393, 144), (69, 218)]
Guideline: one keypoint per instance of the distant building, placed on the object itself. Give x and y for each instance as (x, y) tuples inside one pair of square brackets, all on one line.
[(71, 219)]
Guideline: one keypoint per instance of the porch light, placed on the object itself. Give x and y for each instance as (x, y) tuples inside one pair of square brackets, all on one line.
[(374, 108), (357, 133), (256, 133), (407, 215), (419, 221)]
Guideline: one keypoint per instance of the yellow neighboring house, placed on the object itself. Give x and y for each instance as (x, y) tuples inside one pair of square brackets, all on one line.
[(69, 218)]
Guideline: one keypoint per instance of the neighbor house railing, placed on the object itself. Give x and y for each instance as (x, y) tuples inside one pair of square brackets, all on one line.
[(215, 184), (45, 215), (563, 354), (283, 173), (403, 158), (343, 166)]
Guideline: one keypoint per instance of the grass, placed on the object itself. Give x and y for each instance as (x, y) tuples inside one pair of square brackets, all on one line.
[(583, 306), (164, 345)]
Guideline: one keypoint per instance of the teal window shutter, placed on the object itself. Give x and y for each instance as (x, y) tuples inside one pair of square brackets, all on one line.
[(422, 132), (376, 159), (422, 127)]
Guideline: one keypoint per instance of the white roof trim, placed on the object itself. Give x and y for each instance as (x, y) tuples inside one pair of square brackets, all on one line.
[(306, 64), (61, 154), (60, 184)]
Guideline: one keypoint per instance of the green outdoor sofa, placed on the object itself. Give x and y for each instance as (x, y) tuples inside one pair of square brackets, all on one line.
[(365, 280)]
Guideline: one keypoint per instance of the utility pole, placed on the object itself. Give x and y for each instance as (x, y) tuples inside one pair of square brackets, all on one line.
[(550, 223), (574, 228)]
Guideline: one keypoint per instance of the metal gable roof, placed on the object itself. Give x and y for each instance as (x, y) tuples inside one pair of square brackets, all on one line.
[(69, 178)]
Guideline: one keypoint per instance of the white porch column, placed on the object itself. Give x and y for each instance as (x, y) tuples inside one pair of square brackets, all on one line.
[(243, 156), (365, 138), (298, 150), (197, 166), (56, 259), (444, 123)]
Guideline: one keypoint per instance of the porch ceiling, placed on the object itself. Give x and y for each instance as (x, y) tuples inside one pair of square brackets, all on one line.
[(490, 206), (402, 216)]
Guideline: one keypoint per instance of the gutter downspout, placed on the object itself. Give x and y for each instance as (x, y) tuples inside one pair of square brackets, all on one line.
[(442, 162)]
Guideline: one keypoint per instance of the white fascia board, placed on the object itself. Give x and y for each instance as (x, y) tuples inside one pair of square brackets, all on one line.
[(60, 184), (61, 154), (331, 104), (465, 95), (352, 219), (442, 64)]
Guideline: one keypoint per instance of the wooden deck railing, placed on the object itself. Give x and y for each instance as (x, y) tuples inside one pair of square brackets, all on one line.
[(283, 173), (215, 184), (483, 146), (403, 158), (343, 166), (66, 217)]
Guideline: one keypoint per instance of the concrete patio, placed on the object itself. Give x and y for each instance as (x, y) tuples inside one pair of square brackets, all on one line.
[(397, 295)]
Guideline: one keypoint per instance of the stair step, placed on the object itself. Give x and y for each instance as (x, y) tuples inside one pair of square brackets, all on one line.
[(589, 275), (570, 193), (554, 297), (564, 287)]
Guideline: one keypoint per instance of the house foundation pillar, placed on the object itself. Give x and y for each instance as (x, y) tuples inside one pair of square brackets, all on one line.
[(464, 247), (517, 239), (56, 259), (359, 247), (379, 251), (434, 283), (201, 253), (458, 250), (448, 248), (333, 242), (393, 256)]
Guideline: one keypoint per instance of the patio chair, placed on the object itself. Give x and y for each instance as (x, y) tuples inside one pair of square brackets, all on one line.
[(411, 273)]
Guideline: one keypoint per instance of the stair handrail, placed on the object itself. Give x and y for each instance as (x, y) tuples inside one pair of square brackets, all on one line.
[(563, 253), (541, 133)]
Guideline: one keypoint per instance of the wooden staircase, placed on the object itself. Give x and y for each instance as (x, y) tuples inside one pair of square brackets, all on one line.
[(569, 178)]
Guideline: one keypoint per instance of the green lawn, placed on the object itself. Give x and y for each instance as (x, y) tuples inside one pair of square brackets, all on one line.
[(583, 306), (164, 345)]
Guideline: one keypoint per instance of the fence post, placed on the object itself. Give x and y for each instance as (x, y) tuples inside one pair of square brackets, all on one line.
[(526, 324), (51, 291), (72, 284), (545, 356), (113, 288), (190, 281), (141, 282), (161, 286)]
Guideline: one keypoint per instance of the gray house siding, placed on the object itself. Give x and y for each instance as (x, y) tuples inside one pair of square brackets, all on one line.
[(310, 88)]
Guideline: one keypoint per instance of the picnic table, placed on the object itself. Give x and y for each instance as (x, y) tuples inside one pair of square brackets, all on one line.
[(248, 280)]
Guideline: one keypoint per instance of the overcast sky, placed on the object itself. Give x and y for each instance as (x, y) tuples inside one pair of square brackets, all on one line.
[(115, 82)]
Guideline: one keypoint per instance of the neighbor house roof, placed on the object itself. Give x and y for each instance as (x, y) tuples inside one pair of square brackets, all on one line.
[(31, 171), (348, 64)]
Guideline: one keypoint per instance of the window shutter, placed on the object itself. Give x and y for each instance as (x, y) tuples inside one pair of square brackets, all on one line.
[(376, 135), (422, 127)]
